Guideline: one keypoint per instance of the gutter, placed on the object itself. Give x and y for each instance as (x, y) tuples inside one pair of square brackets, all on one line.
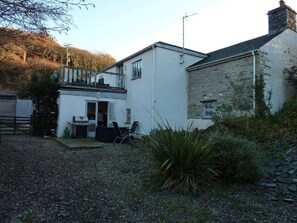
[(220, 61), (153, 90), (153, 46), (254, 79)]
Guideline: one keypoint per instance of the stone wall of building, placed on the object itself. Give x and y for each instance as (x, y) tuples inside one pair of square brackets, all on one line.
[(225, 83)]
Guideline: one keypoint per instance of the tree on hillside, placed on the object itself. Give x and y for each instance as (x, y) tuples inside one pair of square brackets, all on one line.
[(24, 53), (104, 60), (39, 15), (88, 60)]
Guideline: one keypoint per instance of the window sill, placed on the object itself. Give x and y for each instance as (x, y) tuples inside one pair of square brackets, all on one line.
[(134, 78), (208, 101)]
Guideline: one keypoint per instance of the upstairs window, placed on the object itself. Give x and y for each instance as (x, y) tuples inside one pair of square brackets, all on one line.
[(136, 69)]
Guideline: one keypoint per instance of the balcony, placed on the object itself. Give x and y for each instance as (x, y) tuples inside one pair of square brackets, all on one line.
[(84, 78)]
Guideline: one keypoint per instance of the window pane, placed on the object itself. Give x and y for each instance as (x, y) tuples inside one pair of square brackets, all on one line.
[(208, 109), (128, 120), (91, 110), (111, 111), (137, 69)]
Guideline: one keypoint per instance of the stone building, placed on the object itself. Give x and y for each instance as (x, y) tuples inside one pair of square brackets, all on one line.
[(239, 75)]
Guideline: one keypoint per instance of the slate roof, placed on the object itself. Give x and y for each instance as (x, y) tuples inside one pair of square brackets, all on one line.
[(236, 49)]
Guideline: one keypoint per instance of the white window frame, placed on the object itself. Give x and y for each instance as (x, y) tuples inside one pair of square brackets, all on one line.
[(128, 116), (111, 112), (208, 108)]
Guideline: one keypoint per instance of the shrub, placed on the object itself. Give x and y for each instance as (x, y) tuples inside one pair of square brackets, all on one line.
[(245, 126), (184, 161), (287, 116), (239, 160)]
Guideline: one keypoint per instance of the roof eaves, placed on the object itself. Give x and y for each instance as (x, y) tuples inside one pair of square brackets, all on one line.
[(160, 45), (131, 56), (180, 49), (250, 45), (223, 60)]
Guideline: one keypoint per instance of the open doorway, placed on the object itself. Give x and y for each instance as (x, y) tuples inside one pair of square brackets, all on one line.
[(102, 113), (98, 114)]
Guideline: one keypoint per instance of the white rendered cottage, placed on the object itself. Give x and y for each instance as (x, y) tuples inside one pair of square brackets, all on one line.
[(152, 85), (83, 94), (156, 83), (147, 86)]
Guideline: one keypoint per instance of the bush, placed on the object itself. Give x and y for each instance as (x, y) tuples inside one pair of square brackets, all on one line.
[(245, 126), (239, 160), (184, 161), (287, 116), (279, 128)]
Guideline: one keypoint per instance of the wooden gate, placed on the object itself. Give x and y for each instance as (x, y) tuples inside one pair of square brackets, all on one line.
[(14, 125)]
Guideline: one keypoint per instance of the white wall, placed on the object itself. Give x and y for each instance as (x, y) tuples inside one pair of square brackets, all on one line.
[(277, 60), (171, 87), (75, 105), (24, 107), (200, 123), (69, 106), (161, 92), (140, 90)]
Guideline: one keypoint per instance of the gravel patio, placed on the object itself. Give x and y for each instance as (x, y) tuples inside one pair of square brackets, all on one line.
[(43, 181)]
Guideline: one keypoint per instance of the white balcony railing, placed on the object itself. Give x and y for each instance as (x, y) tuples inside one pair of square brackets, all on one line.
[(92, 78)]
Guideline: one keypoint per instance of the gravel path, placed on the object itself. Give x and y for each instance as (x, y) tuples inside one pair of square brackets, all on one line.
[(41, 181)]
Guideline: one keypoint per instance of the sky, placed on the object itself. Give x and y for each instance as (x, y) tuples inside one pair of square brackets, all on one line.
[(123, 27)]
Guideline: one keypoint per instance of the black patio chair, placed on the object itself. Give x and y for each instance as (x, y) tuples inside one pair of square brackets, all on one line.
[(126, 135), (133, 128)]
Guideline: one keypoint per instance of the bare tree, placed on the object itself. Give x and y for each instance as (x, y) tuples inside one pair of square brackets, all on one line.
[(39, 15)]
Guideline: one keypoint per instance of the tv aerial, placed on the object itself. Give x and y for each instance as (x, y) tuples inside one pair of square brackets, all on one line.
[(183, 52)]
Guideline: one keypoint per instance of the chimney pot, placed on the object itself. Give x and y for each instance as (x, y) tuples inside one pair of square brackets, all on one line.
[(281, 3)]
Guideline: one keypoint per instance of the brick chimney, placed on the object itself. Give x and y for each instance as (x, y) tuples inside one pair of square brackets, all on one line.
[(281, 18)]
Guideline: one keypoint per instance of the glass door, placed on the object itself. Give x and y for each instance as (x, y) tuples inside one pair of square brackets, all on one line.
[(92, 111)]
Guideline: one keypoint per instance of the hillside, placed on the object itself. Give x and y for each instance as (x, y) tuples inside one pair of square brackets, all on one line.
[(23, 53)]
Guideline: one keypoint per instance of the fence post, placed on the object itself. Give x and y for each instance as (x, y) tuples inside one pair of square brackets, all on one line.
[(14, 124), (31, 120)]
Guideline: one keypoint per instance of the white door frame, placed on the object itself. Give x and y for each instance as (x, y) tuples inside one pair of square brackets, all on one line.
[(92, 133)]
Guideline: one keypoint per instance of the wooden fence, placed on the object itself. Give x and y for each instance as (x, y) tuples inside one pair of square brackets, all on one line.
[(38, 124), (14, 125)]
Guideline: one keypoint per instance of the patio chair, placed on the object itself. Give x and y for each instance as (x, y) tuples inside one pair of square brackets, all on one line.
[(130, 131), (119, 135), (126, 135)]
